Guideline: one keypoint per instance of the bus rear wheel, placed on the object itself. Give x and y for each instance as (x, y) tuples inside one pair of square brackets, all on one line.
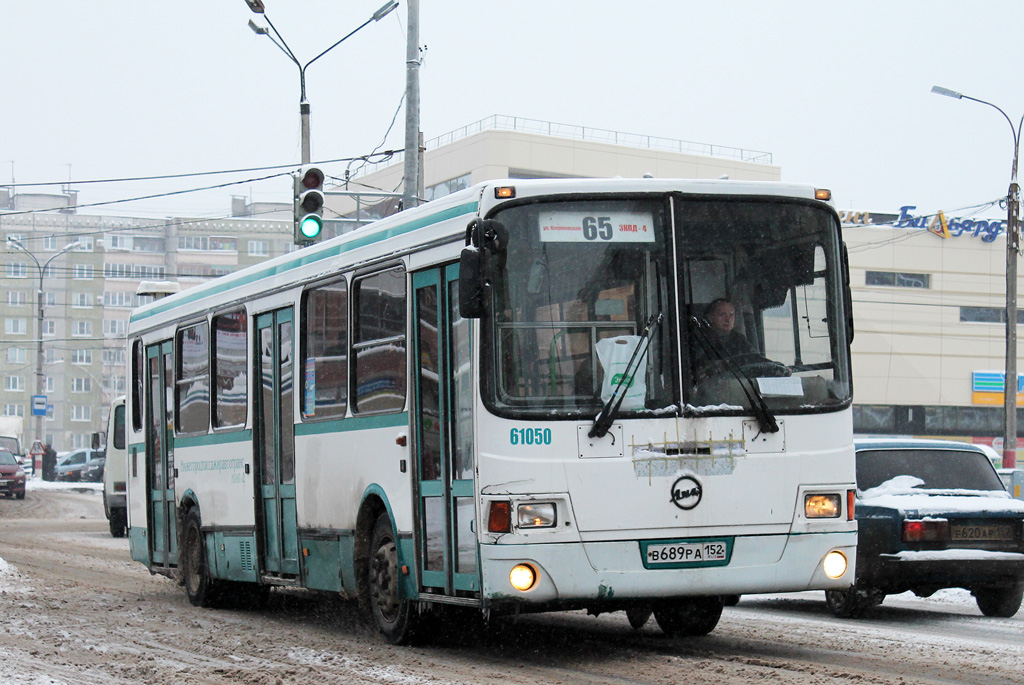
[(689, 617), (853, 602), (118, 522), (394, 616), (203, 590), (638, 616)]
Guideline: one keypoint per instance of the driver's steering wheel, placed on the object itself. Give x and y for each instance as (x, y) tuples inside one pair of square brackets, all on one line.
[(765, 369)]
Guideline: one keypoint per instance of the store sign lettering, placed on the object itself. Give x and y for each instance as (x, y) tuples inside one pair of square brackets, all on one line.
[(851, 217), (953, 228)]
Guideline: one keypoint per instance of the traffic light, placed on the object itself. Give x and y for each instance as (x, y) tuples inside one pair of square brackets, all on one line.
[(309, 205)]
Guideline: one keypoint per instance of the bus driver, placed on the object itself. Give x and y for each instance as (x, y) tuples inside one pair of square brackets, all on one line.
[(721, 317)]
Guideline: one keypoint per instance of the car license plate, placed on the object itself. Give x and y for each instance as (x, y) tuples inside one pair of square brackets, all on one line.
[(982, 533), (4, 482), (686, 553)]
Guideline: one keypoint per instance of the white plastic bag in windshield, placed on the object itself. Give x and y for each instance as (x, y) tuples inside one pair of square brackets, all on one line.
[(614, 354)]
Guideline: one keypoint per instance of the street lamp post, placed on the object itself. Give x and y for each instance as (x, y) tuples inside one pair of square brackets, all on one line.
[(1012, 250), (40, 381), (304, 109)]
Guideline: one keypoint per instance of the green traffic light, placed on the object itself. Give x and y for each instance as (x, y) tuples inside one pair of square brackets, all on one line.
[(310, 226)]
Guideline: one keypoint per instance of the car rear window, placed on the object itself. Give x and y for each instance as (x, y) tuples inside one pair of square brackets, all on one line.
[(940, 469)]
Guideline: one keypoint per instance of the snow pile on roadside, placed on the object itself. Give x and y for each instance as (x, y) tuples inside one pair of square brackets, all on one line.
[(37, 484), (11, 581)]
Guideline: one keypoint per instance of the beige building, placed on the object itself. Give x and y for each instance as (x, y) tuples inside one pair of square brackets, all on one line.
[(513, 147), (929, 351)]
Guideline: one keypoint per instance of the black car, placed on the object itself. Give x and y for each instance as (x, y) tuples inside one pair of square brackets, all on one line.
[(933, 514), (71, 465), (92, 472)]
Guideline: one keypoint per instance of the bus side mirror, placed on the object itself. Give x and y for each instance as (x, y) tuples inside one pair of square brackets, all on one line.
[(472, 290), (95, 441), (486, 242)]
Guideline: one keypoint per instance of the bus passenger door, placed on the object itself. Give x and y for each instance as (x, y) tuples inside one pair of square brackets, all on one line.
[(275, 443), (443, 426), (162, 529)]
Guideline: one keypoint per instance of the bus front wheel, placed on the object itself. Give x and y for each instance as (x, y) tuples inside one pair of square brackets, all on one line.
[(689, 617), (393, 615)]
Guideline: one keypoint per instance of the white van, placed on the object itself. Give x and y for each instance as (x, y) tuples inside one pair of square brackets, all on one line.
[(115, 500)]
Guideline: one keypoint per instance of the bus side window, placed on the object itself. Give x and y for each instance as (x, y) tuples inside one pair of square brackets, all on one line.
[(192, 384), (378, 344), (325, 351), (138, 382), (230, 369)]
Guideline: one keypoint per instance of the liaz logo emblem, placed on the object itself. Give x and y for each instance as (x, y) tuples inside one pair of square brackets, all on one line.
[(686, 492)]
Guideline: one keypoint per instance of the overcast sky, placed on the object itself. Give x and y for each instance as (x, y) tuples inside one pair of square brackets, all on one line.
[(838, 93)]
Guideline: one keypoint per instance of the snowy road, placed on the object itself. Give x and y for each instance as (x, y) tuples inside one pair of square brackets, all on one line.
[(77, 610)]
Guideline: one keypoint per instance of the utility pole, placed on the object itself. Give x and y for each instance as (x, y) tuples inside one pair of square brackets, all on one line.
[(1012, 252), (410, 188), (40, 318)]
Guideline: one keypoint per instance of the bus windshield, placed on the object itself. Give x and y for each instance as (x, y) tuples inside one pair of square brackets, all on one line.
[(581, 278)]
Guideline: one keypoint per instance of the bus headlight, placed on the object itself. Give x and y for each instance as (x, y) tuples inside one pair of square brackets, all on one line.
[(536, 515), (834, 564), (522, 577), (822, 506)]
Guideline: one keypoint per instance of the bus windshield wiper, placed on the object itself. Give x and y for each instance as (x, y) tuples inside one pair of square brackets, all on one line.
[(610, 409), (765, 418)]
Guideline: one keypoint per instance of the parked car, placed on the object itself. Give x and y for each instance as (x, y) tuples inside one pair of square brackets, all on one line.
[(71, 465), (92, 472), (933, 514), (12, 475)]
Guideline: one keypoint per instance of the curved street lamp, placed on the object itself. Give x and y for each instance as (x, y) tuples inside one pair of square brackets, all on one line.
[(304, 109), (1012, 250), (41, 268)]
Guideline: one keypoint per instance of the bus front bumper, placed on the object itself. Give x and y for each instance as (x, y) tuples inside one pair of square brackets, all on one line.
[(581, 574)]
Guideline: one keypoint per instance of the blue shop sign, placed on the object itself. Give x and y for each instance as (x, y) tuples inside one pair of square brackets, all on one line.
[(987, 230)]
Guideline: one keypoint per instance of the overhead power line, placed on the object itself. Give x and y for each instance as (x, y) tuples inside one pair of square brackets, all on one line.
[(244, 170)]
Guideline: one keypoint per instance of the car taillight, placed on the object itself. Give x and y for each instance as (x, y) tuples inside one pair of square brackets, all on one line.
[(925, 530)]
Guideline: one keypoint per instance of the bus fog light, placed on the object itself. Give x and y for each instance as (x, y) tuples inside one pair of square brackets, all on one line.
[(536, 515), (834, 564), (522, 577), (822, 506)]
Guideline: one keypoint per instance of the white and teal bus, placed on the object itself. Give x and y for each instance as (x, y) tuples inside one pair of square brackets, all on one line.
[(510, 400)]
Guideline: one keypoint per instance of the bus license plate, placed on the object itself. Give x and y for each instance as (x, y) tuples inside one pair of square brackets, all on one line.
[(703, 553), (980, 533)]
